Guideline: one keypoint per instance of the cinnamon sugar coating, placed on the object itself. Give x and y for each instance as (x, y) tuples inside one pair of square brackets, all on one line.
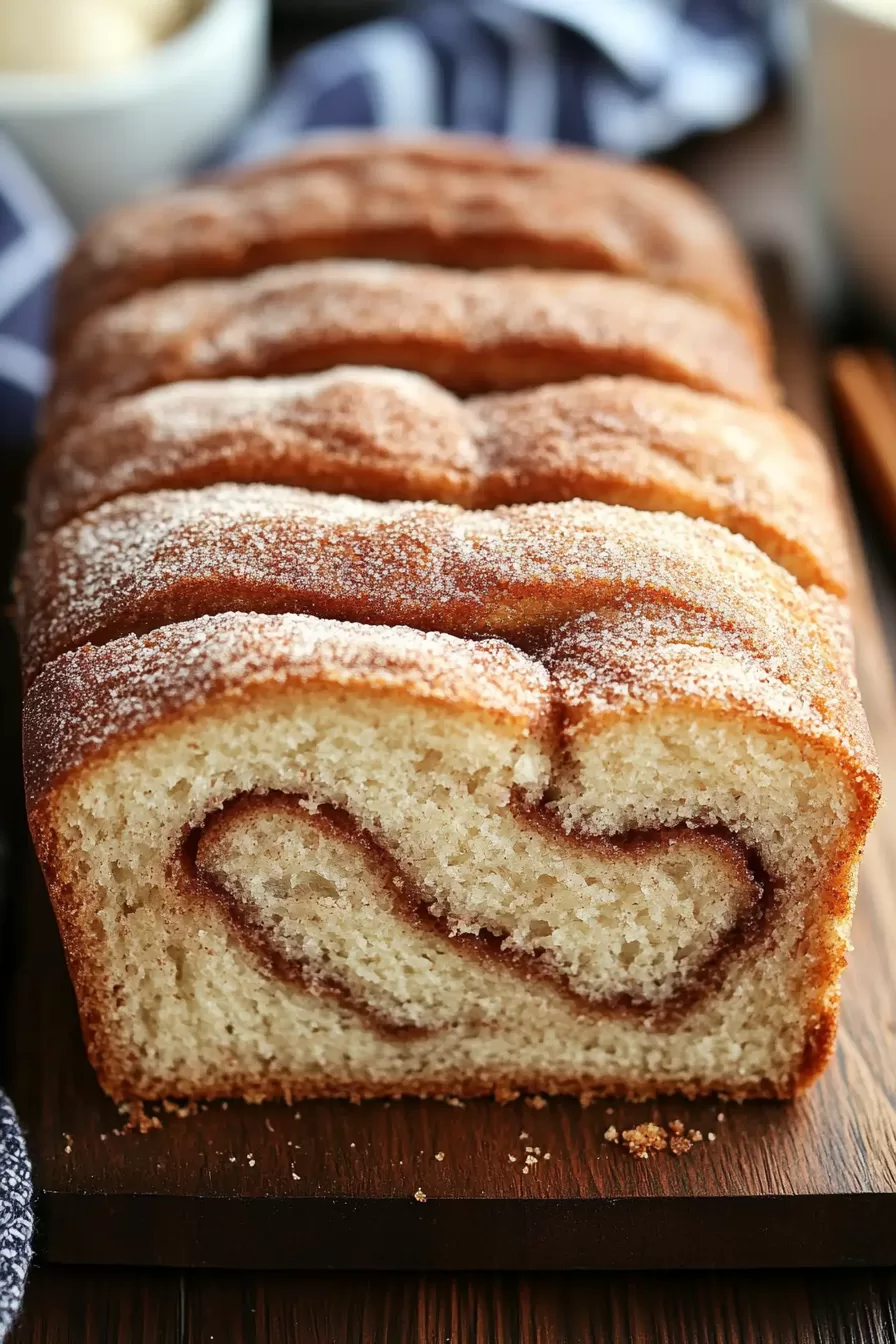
[(449, 200), (471, 331), (522, 573), (387, 434)]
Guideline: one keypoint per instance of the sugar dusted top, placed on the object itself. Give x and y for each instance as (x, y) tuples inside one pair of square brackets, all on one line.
[(450, 200), (389, 434), (471, 331), (520, 573)]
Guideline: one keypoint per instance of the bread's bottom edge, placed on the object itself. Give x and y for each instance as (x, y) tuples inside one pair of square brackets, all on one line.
[(123, 1083)]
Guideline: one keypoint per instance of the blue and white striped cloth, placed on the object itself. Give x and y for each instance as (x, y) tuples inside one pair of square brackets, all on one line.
[(34, 237), (629, 76)]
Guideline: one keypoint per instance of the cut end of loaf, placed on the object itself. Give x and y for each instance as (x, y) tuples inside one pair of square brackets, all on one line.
[(406, 891)]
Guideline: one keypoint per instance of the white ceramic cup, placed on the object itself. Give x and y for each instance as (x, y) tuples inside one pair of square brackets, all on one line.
[(849, 101), (99, 139)]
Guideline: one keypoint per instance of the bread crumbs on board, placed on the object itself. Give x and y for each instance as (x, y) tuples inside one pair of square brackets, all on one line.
[(138, 1118), (647, 1138)]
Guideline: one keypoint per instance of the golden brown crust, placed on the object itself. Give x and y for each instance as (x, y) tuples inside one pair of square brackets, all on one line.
[(385, 434), (595, 582), (142, 562), (471, 331), (124, 1083), (452, 201)]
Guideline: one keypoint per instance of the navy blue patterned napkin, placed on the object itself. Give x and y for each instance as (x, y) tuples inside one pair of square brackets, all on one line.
[(34, 238), (629, 76), (16, 1222)]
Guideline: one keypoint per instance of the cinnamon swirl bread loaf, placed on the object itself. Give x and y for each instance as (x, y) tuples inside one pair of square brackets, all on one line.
[(380, 741)]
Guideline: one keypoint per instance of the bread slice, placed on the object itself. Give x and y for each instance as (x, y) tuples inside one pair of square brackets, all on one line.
[(366, 860), (452, 200), (603, 836), (143, 561), (473, 331), (387, 434)]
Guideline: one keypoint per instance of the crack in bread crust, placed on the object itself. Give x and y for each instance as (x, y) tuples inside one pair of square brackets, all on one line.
[(523, 574)]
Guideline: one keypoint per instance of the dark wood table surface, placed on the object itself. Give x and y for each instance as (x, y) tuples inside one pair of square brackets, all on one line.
[(165, 1307), (753, 173)]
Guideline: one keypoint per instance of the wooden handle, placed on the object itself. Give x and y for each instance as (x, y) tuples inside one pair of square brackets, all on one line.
[(864, 384)]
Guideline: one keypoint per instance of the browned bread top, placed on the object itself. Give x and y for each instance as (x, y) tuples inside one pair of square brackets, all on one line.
[(451, 200), (521, 573), (471, 331), (388, 434)]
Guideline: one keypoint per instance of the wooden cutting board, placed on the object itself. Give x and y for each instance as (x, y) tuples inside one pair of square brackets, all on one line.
[(330, 1184)]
